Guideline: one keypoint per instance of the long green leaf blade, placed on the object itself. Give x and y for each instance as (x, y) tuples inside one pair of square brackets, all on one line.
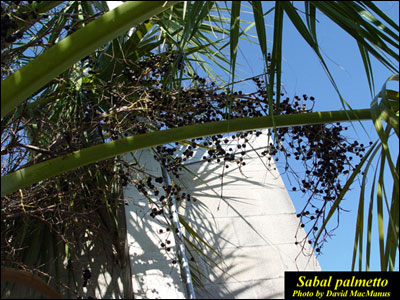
[(30, 175), (234, 35), (260, 26)]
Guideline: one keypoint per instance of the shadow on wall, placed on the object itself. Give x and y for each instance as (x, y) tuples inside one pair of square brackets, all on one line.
[(150, 239), (244, 214), (218, 267), (238, 222)]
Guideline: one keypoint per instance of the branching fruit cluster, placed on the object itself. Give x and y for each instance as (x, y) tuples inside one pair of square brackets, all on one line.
[(326, 155)]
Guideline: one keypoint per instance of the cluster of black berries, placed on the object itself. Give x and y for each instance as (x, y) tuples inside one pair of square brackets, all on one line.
[(325, 154), (221, 151), (86, 276), (203, 102), (149, 71), (124, 178), (323, 145), (8, 24), (166, 244), (153, 186), (322, 149)]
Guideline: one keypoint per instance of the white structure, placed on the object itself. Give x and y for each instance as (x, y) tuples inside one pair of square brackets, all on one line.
[(244, 213)]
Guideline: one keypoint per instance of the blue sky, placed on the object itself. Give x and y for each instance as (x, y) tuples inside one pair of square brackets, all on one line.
[(303, 74)]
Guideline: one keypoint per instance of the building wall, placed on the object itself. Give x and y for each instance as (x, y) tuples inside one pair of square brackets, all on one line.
[(154, 274), (246, 225)]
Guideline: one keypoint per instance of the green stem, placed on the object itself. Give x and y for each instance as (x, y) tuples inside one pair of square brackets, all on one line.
[(33, 174)]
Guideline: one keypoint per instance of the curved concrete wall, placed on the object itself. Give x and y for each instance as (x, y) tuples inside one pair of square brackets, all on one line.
[(243, 213)]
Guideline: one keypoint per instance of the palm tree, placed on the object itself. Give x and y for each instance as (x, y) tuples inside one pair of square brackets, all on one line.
[(71, 88)]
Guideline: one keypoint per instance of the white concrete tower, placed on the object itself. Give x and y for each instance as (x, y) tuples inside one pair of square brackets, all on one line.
[(245, 224)]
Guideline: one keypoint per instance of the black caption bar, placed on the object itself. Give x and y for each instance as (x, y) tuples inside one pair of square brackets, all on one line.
[(318, 285)]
